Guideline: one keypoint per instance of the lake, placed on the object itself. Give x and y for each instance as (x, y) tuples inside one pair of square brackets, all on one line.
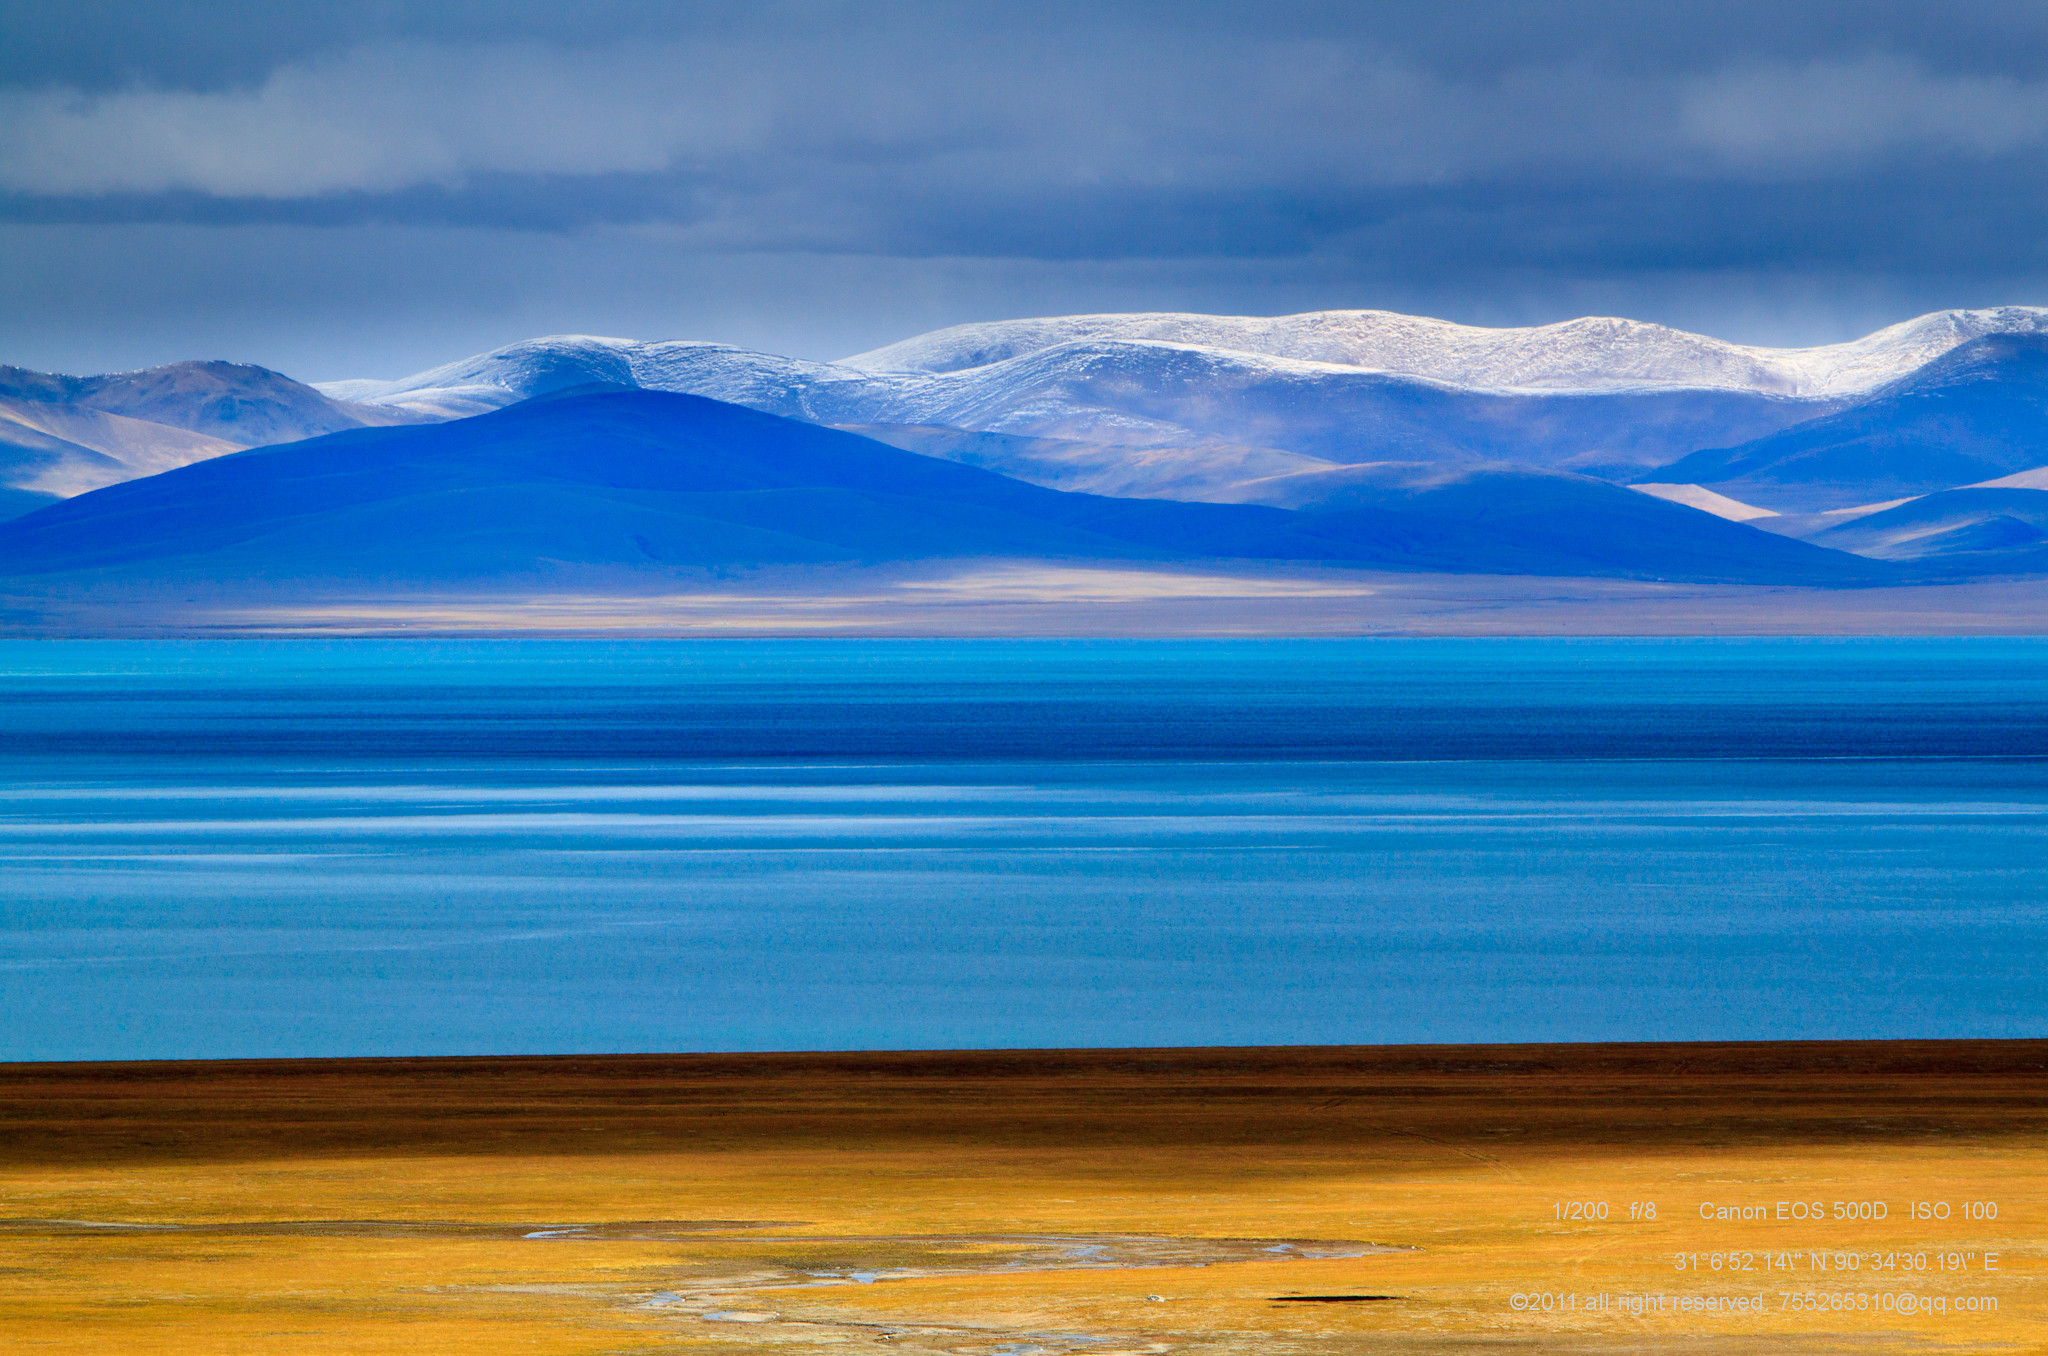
[(254, 848)]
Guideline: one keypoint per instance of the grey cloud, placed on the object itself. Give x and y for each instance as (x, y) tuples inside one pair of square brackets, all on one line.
[(113, 44), (1966, 220), (1489, 161), (1834, 115), (383, 119), (1271, 114), (379, 300)]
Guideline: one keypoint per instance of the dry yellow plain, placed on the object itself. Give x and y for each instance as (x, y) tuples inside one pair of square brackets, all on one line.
[(1034, 1203)]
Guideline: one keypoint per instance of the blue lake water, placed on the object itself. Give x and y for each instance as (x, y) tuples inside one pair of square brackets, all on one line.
[(340, 848)]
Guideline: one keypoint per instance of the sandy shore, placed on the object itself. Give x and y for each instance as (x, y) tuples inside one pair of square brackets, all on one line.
[(1315, 1200)]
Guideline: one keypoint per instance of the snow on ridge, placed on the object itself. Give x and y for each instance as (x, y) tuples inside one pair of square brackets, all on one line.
[(501, 367), (504, 376), (1591, 353), (1161, 398), (355, 389), (946, 368), (1150, 380)]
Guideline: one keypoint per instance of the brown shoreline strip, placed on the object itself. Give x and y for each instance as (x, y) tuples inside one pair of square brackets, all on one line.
[(1530, 1097)]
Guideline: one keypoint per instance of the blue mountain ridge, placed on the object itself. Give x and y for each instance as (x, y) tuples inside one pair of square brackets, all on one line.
[(1954, 532), (1978, 412), (654, 480)]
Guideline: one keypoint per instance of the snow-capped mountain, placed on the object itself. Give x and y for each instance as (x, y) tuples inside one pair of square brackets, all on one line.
[(1139, 394), (536, 367), (1389, 426), (1187, 406), (63, 435), (1593, 353)]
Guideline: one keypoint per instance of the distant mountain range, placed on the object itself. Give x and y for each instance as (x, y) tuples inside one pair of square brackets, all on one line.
[(1186, 406), (61, 436), (652, 480), (1130, 399), (1591, 354), (1592, 447)]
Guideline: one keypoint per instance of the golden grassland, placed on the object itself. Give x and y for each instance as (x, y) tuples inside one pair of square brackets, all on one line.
[(1021, 1203)]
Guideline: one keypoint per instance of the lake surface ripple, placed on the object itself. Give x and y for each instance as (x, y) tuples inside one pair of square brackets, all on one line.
[(243, 848)]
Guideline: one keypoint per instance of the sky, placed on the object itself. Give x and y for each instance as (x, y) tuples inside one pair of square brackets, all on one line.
[(372, 187)]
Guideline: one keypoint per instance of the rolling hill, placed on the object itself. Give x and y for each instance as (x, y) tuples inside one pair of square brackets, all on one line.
[(1390, 440), (63, 435), (1204, 471), (1188, 406), (657, 481), (1976, 413), (1132, 397), (1978, 530), (1591, 353)]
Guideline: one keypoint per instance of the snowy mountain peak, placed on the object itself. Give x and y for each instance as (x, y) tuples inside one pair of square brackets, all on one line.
[(535, 367), (1592, 353), (1602, 395), (490, 381)]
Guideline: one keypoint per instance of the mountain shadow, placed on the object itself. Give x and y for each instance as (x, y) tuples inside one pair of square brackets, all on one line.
[(651, 480)]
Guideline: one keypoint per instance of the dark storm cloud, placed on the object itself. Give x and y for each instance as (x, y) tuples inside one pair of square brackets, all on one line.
[(1436, 145), (970, 131), (109, 44)]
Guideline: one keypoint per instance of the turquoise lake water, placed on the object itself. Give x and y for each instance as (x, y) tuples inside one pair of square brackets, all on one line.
[(350, 848)]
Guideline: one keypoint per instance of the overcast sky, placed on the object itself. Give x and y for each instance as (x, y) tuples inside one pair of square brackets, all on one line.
[(366, 188)]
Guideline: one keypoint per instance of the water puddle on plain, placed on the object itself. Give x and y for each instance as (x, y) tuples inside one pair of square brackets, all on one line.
[(753, 1277)]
